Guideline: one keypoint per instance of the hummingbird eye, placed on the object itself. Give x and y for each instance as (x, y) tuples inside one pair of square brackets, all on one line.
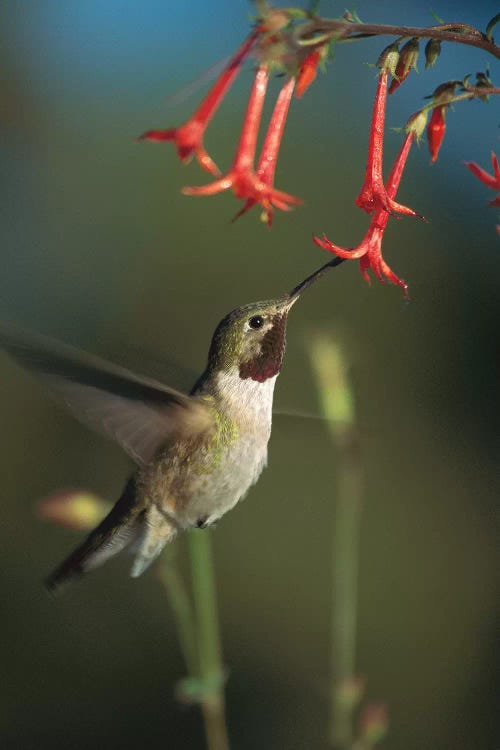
[(256, 322)]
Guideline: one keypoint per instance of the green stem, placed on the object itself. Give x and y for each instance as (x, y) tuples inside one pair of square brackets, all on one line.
[(337, 406), (345, 555), (182, 609), (211, 669)]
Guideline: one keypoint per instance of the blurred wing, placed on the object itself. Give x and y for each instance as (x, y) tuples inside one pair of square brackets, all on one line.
[(138, 413), (186, 92)]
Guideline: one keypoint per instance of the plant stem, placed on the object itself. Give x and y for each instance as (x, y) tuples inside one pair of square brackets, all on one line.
[(458, 33), (345, 556), (211, 671), (337, 405), (182, 609)]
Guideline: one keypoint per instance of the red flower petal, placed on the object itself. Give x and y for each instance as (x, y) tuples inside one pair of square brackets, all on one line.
[(492, 181)]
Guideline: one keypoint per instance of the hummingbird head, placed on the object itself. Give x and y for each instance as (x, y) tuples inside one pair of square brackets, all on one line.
[(252, 339)]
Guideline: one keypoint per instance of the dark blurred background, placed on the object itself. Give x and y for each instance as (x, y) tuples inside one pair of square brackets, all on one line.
[(101, 250)]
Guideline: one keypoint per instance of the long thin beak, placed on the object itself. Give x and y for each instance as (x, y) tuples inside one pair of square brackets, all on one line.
[(286, 303), (293, 296)]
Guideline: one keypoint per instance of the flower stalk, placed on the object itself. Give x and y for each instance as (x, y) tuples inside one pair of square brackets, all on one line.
[(336, 401), (198, 632), (211, 670)]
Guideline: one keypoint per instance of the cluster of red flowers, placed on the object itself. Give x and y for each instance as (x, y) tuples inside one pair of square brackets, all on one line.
[(273, 44), (376, 198)]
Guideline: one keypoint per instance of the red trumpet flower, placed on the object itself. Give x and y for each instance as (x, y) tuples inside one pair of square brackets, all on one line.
[(269, 155), (369, 250), (189, 137), (241, 178), (373, 195), (491, 180)]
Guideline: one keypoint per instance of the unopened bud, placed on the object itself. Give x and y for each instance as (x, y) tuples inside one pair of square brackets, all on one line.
[(275, 21), (374, 723), (417, 123), (483, 81), (409, 54), (350, 691), (436, 130), (445, 91), (388, 59), (432, 52), (407, 60), (74, 509)]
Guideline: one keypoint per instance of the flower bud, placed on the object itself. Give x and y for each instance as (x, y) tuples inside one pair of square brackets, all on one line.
[(483, 81), (445, 91), (388, 59), (374, 723), (432, 52), (417, 123), (309, 68), (407, 60), (350, 691), (74, 509), (435, 131), (275, 20)]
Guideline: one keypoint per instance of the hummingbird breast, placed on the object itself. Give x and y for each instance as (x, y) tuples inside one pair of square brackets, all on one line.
[(196, 481)]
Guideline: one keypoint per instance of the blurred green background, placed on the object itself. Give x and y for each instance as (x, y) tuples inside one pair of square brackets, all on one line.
[(101, 250)]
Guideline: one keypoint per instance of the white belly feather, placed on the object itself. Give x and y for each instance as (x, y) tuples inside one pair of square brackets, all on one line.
[(249, 404)]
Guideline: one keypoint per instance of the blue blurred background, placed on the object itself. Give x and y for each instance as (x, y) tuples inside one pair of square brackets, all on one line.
[(101, 250)]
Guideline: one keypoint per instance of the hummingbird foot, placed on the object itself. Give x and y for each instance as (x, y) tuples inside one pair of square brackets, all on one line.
[(205, 522)]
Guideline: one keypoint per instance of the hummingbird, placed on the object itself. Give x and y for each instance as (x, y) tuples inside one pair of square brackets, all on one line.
[(196, 454)]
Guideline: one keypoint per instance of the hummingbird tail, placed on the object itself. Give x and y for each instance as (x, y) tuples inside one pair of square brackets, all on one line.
[(120, 528)]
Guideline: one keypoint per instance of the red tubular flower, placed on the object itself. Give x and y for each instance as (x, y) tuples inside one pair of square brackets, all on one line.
[(189, 137), (373, 194), (491, 180), (307, 72), (436, 130), (266, 167), (241, 178), (369, 250)]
